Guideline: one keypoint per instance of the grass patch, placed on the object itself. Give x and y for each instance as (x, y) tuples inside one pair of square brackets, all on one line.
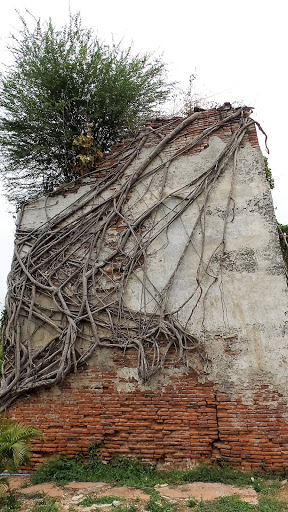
[(100, 500), (226, 475), (131, 472), (122, 471), (156, 504), (225, 504), (7, 508), (268, 504), (234, 504), (130, 507), (9, 502), (60, 470), (46, 505), (35, 496)]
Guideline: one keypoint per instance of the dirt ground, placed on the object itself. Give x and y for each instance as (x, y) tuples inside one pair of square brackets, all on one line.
[(69, 496)]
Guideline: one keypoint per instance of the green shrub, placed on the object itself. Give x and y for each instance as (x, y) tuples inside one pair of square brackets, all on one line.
[(60, 469)]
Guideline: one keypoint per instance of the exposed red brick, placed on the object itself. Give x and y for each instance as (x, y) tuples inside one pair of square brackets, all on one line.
[(182, 422)]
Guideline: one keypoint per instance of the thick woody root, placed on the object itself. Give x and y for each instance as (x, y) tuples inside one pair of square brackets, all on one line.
[(64, 262)]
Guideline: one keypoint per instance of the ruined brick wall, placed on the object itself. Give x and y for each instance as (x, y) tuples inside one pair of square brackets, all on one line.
[(230, 405), (176, 421)]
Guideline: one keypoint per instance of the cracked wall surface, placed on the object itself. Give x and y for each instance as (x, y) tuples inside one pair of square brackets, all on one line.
[(228, 402)]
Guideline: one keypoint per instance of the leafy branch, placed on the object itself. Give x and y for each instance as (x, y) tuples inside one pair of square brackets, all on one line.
[(63, 83)]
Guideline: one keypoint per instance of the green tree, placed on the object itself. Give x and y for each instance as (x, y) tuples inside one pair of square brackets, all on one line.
[(62, 84), (15, 443)]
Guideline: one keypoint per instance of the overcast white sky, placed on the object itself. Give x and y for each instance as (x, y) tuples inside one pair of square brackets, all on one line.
[(238, 49)]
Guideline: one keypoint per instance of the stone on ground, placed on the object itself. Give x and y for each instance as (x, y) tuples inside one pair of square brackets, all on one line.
[(47, 488)]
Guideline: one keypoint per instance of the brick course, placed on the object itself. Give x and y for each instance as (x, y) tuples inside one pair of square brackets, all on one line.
[(181, 423)]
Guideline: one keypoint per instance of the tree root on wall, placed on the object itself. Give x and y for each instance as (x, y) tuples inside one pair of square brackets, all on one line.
[(63, 261)]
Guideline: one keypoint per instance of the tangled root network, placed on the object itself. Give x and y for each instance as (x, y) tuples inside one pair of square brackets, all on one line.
[(81, 272)]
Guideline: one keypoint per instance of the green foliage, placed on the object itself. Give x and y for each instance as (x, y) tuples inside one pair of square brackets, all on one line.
[(270, 504), (224, 474), (101, 500), (268, 173), (234, 504), (131, 472), (62, 84), (122, 470), (284, 228), (283, 237), (46, 505), (88, 501), (129, 507), (225, 504), (3, 316), (8, 501), (34, 495), (60, 469), (156, 504), (15, 443)]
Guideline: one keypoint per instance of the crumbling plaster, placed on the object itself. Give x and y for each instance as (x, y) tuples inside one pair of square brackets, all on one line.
[(241, 317)]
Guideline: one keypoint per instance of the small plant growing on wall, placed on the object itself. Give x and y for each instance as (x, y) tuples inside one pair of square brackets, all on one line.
[(268, 173), (283, 235)]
